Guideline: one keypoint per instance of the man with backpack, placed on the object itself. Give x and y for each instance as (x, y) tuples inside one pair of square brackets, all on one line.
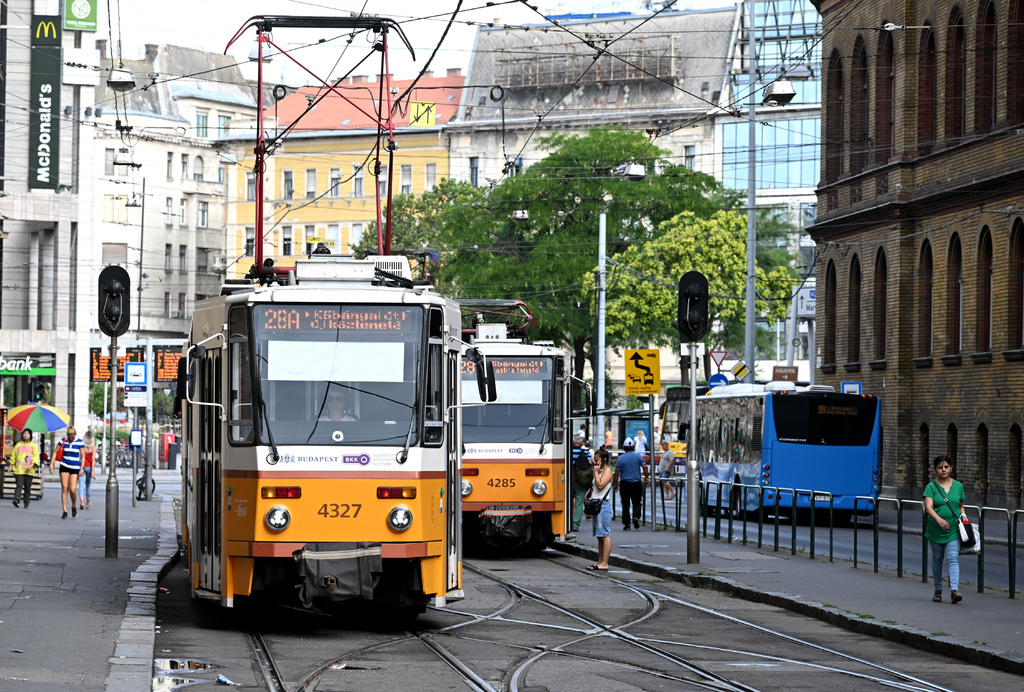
[(582, 479)]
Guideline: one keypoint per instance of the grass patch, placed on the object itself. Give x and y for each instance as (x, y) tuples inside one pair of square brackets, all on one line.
[(828, 605), (865, 616), (940, 633), (890, 622)]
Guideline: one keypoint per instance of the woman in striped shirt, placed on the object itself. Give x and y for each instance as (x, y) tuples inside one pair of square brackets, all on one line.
[(69, 453)]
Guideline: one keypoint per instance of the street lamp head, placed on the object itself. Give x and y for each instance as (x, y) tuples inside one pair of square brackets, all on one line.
[(120, 80), (521, 215), (778, 93), (634, 172)]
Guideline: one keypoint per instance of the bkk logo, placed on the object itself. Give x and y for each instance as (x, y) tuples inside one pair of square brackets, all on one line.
[(361, 459), (515, 450)]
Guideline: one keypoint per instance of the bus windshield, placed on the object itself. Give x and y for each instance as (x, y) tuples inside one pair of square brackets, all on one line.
[(521, 413), (337, 374), (824, 419)]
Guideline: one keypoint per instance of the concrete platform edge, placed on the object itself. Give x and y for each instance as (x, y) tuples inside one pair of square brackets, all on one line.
[(945, 646)]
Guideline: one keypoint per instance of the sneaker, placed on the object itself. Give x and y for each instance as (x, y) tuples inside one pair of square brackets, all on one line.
[(636, 523), (625, 527), (570, 536), (16, 503)]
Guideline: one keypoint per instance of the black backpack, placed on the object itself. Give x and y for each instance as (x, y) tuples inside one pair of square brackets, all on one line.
[(582, 469)]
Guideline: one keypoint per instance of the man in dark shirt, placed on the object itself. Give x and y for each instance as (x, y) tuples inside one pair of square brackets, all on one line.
[(628, 481)]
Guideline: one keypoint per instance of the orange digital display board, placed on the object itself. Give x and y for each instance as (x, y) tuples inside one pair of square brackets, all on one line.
[(510, 366), (99, 364), (344, 319), (167, 365)]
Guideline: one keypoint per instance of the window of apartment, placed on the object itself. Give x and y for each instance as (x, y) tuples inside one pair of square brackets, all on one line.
[(1016, 439), (108, 162), (858, 107), (429, 176), (167, 257), (355, 235), (926, 98), (181, 305), (170, 165), (203, 219), (690, 157), (925, 288), (406, 172), (981, 454), (985, 68), (984, 313), (954, 295), (853, 312), (829, 355), (202, 120), (182, 255), (184, 166), (222, 125), (335, 183), (357, 181), (333, 238), (834, 119), (183, 212), (287, 184), (286, 241), (202, 260), (382, 182), (220, 174), (310, 183), (250, 241), (1016, 302), (167, 304), (250, 186), (474, 171), (1015, 63), (311, 239), (197, 168), (169, 211), (885, 114), (956, 77), (952, 443), (881, 303), (115, 209), (924, 454)]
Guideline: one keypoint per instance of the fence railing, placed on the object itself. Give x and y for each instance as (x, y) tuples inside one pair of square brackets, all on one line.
[(730, 500)]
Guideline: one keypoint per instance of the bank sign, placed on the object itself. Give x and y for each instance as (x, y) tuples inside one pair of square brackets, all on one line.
[(33, 364), (80, 15), (44, 106)]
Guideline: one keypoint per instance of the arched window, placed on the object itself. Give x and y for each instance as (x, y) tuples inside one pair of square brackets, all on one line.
[(197, 168), (926, 92), (1016, 302), (956, 67), (951, 445), (984, 327), (954, 295), (981, 472), (885, 80), (1015, 63), (858, 107), (834, 119), (853, 313), (830, 314), (881, 303), (924, 447), (985, 68), (1015, 460), (925, 286)]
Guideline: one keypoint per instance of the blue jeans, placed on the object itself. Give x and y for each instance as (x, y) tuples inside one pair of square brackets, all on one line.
[(87, 472), (951, 551)]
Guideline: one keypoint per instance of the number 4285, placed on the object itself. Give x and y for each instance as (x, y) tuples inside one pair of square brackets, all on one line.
[(329, 511)]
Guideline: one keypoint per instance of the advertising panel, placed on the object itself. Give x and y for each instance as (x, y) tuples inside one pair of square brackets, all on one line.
[(44, 103), (80, 15)]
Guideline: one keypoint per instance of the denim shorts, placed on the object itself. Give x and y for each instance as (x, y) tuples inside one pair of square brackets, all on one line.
[(603, 521)]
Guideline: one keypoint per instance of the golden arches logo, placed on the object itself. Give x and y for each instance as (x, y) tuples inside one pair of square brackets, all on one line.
[(46, 27)]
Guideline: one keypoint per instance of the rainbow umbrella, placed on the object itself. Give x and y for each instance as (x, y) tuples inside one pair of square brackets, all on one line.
[(39, 417)]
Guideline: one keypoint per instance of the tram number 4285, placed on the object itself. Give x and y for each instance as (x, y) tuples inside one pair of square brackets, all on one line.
[(502, 482), (339, 511)]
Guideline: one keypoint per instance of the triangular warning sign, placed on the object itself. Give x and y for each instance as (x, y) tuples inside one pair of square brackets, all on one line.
[(718, 357)]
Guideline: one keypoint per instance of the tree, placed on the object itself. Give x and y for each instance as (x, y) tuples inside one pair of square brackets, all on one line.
[(641, 311), (545, 259)]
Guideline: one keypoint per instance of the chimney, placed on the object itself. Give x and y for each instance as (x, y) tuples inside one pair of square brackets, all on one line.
[(152, 50), (101, 46), (454, 72), (359, 79), (429, 74)]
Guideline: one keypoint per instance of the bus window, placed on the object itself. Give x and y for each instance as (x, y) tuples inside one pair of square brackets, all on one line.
[(831, 419)]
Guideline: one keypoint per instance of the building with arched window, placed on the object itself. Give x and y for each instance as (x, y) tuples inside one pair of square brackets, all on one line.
[(920, 233)]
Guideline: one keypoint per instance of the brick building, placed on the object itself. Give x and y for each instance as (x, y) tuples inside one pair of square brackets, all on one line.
[(920, 232)]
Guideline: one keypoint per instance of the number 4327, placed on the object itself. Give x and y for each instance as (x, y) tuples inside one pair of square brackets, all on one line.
[(339, 511)]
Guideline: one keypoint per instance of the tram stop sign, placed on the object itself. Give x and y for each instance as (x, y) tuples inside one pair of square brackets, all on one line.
[(643, 371)]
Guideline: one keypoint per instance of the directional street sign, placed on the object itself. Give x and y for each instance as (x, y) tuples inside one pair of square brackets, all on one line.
[(643, 371), (717, 380)]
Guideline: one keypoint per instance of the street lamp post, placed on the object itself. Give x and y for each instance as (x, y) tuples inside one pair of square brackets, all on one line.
[(749, 341)]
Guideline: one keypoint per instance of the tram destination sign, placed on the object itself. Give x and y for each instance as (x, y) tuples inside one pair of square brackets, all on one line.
[(506, 367), (307, 318)]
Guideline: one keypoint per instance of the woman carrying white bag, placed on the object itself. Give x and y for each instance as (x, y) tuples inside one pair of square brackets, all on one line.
[(944, 527)]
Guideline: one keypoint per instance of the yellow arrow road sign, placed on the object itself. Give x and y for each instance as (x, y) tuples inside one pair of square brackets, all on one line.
[(643, 371)]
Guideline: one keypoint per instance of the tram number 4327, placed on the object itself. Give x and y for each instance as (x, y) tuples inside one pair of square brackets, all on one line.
[(502, 482), (339, 511)]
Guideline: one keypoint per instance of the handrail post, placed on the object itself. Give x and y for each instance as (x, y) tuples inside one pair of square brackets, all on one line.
[(856, 501), (876, 535), (704, 505), (814, 521), (1013, 555), (792, 521), (732, 493), (899, 540), (760, 516), (924, 545), (718, 511), (776, 520), (981, 552), (831, 526)]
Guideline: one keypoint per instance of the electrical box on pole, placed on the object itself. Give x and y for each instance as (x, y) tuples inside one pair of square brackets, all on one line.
[(692, 320)]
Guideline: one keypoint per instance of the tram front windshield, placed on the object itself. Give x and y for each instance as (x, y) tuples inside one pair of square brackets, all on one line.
[(337, 374), (521, 412)]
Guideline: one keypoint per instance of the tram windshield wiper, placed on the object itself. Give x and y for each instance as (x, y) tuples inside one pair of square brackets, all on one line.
[(263, 409)]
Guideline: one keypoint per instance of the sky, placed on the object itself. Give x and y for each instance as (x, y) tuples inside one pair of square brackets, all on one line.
[(209, 25)]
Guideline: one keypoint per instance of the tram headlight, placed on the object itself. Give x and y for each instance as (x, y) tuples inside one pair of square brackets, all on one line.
[(539, 488), (278, 517), (400, 518), (467, 488)]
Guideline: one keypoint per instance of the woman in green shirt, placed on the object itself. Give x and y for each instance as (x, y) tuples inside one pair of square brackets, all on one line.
[(942, 530)]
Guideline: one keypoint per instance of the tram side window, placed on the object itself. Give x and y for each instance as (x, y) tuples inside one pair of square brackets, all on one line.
[(240, 404), (433, 415), (557, 413)]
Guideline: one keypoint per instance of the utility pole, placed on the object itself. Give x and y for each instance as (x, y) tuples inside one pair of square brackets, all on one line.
[(749, 339), (599, 359)]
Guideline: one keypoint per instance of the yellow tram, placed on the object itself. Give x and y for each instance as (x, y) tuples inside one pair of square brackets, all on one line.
[(322, 438)]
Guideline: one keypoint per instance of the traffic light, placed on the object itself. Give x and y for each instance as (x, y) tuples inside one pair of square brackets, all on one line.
[(115, 304), (692, 320), (38, 392)]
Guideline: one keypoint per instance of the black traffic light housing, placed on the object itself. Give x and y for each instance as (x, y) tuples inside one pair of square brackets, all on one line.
[(39, 392), (115, 301), (692, 320)]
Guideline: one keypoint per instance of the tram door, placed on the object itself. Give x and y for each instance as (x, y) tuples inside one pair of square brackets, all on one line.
[(208, 490), (453, 485)]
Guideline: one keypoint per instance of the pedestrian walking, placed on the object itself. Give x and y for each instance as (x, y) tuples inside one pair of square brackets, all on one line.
[(940, 497), (25, 461), (630, 479), (69, 454), (582, 479), (640, 443), (665, 468), (88, 457), (602, 521)]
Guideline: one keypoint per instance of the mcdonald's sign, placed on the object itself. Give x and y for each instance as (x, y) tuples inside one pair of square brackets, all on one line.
[(44, 107), (46, 30)]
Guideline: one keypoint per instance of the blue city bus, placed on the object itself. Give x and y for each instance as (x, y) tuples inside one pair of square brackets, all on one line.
[(781, 436)]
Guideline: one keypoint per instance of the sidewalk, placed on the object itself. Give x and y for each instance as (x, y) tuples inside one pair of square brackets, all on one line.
[(69, 616), (984, 629)]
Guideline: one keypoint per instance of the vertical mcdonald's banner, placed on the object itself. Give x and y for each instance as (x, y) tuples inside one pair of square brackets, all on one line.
[(44, 108)]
